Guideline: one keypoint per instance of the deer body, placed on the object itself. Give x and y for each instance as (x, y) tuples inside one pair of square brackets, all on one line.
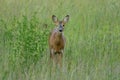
[(57, 40)]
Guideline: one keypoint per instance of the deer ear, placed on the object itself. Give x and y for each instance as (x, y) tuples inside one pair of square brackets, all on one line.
[(66, 19), (54, 18)]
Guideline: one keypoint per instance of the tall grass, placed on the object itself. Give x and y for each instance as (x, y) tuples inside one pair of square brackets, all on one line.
[(92, 50)]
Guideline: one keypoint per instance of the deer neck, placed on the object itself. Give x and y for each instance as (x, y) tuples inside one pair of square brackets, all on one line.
[(58, 35)]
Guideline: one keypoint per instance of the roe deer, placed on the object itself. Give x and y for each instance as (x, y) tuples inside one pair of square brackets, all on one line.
[(57, 40)]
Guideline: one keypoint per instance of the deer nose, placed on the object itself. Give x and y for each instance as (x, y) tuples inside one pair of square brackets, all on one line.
[(60, 30)]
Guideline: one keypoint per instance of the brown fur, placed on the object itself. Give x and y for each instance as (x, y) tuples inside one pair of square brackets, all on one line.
[(57, 42)]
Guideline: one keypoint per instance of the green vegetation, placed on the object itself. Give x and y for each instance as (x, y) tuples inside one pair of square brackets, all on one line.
[(92, 49)]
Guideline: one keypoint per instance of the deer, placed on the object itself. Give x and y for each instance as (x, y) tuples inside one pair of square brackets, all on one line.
[(57, 40)]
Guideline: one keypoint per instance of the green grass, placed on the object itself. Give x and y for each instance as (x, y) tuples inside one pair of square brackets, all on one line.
[(92, 50)]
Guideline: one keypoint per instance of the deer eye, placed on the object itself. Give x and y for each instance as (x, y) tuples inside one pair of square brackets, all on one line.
[(63, 25)]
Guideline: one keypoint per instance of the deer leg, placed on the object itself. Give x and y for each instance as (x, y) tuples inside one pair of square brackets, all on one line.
[(60, 55), (52, 55)]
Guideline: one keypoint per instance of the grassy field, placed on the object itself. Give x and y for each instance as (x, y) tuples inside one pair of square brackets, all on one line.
[(92, 50)]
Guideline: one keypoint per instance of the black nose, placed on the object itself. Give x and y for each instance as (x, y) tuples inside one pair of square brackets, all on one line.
[(60, 30)]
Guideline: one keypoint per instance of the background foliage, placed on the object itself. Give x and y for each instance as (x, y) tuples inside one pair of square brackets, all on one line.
[(92, 49)]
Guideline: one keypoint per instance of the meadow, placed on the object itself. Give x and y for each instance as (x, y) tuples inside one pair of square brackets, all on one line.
[(92, 50)]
